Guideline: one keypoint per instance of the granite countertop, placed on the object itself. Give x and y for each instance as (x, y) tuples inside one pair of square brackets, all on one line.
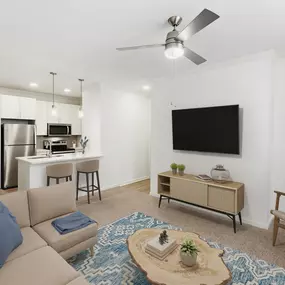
[(41, 159)]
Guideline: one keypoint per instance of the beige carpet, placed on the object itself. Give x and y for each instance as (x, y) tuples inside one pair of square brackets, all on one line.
[(122, 201)]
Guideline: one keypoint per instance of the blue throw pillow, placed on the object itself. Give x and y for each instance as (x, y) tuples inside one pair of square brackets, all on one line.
[(10, 233)]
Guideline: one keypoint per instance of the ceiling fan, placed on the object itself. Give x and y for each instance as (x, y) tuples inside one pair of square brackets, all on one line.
[(174, 44)]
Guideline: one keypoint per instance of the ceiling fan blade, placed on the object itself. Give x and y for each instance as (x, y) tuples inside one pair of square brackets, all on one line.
[(140, 47), (205, 18), (194, 57)]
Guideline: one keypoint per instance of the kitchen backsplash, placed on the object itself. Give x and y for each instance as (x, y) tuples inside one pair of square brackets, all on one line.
[(70, 140)]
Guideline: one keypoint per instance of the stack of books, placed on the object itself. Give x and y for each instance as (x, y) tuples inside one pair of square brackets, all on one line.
[(204, 177), (158, 250)]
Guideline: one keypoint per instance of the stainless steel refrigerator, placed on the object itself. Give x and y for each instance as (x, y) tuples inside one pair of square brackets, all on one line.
[(17, 140)]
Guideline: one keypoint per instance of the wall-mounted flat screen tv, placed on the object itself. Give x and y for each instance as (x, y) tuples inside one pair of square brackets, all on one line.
[(212, 129)]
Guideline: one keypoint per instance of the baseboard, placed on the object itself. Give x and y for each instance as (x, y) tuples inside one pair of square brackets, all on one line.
[(135, 180), (244, 220), (126, 183), (255, 224)]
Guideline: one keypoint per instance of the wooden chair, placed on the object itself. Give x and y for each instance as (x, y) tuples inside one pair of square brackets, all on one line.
[(278, 215)]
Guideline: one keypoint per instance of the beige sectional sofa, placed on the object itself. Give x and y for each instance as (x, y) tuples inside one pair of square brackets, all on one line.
[(40, 258)]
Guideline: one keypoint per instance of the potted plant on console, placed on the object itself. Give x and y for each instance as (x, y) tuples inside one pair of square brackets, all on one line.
[(188, 252), (173, 166), (181, 168)]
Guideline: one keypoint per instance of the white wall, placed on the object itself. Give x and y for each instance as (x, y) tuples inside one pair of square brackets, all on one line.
[(278, 145), (91, 122), (247, 82), (122, 134)]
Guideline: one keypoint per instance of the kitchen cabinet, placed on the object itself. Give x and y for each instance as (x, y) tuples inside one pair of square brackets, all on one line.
[(27, 108), (10, 107), (66, 114), (75, 120), (41, 118), (52, 119), (15, 107)]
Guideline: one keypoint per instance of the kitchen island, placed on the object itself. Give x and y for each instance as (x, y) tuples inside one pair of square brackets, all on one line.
[(32, 169)]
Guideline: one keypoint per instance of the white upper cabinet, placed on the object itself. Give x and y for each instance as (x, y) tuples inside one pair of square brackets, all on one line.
[(65, 114), (41, 118), (10, 107), (14, 107), (27, 108), (50, 118), (75, 120), (68, 114)]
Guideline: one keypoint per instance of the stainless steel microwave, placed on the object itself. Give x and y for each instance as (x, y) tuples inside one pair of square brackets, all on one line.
[(59, 130)]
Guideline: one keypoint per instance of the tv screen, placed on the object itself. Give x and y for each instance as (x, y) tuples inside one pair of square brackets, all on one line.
[(212, 129)]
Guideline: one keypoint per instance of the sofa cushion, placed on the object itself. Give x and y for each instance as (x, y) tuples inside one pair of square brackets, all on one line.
[(43, 266), (10, 234), (31, 242), (63, 242), (50, 202), (17, 203), (78, 281)]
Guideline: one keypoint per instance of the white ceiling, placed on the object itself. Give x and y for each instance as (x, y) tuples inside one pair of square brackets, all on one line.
[(77, 38)]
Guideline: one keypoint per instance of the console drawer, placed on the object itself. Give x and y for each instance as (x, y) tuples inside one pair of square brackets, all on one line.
[(189, 191), (221, 199)]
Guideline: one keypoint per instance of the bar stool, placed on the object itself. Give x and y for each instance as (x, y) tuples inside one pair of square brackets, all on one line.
[(88, 167), (58, 171)]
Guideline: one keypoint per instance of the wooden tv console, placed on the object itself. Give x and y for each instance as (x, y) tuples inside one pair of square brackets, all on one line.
[(226, 198)]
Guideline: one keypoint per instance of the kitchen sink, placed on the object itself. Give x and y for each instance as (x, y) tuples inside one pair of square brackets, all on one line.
[(47, 157)]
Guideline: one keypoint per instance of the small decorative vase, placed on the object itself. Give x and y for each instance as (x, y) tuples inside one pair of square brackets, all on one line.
[(220, 174), (187, 259), (174, 171), (83, 150), (181, 172)]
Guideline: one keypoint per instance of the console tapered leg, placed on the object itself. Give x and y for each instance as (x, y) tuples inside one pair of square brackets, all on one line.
[(240, 220), (160, 198)]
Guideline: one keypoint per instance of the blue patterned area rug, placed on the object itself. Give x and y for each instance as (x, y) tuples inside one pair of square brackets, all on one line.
[(112, 264)]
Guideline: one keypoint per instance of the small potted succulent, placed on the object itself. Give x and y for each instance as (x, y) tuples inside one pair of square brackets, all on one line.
[(181, 168), (173, 166), (188, 252)]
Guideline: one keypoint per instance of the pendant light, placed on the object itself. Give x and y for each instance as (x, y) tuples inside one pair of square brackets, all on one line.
[(80, 111), (53, 108)]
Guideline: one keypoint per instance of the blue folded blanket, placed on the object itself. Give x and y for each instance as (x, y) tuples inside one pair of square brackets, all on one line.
[(72, 222)]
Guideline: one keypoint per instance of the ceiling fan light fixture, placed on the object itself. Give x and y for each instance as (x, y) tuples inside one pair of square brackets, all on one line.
[(174, 50)]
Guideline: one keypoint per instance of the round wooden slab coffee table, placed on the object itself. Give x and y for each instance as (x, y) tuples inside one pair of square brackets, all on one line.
[(209, 270)]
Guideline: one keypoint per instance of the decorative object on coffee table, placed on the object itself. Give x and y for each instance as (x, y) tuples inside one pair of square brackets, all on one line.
[(173, 166), (188, 252), (160, 246), (181, 168), (209, 269), (83, 143), (163, 238), (220, 174)]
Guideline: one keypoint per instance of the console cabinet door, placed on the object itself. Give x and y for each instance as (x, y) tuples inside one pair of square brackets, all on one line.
[(222, 199), (189, 191)]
